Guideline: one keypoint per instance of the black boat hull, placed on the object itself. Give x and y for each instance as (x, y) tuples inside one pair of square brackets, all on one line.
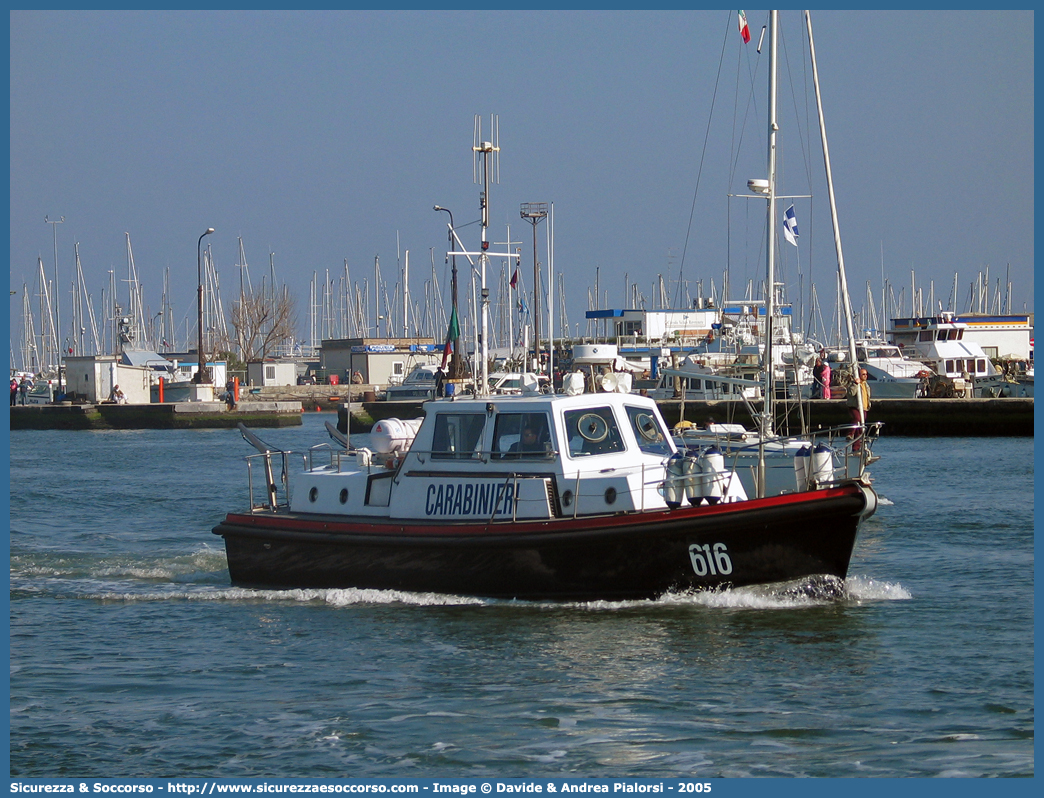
[(612, 557)]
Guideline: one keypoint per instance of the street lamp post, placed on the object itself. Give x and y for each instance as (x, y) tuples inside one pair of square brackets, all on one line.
[(202, 376), (455, 361)]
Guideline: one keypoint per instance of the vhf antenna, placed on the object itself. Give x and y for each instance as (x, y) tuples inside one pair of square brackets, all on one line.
[(489, 151)]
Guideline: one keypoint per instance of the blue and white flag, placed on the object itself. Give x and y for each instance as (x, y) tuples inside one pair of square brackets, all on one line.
[(790, 231)]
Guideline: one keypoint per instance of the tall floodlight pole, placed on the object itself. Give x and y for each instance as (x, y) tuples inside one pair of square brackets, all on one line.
[(455, 362), (534, 212), (58, 345), (202, 376)]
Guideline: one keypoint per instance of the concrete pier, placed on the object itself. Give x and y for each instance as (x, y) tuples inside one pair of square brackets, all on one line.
[(921, 418), (172, 415)]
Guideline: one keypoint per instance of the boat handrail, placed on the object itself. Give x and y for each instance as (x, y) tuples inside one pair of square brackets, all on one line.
[(833, 437), (271, 487)]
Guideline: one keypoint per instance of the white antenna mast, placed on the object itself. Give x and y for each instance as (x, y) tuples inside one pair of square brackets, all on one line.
[(489, 152)]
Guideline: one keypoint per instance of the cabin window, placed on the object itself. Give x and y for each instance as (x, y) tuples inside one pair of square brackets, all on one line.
[(648, 431), (980, 366), (949, 366), (270, 372), (524, 436), (592, 431), (925, 335), (458, 436)]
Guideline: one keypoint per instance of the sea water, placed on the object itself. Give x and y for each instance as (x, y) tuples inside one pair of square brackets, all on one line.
[(133, 656)]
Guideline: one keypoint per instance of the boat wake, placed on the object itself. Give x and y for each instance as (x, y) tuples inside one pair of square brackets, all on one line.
[(330, 597), (814, 591), (203, 565), (201, 576)]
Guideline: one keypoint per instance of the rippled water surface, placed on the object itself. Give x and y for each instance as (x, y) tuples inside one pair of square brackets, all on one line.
[(132, 655)]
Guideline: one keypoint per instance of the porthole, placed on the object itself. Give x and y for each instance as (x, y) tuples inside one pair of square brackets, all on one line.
[(592, 427), (647, 427), (567, 498), (343, 497), (313, 494), (610, 495)]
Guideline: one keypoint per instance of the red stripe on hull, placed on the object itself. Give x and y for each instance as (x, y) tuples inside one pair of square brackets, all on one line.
[(622, 556)]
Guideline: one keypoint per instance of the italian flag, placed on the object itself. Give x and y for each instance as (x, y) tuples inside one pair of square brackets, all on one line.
[(451, 335), (744, 30)]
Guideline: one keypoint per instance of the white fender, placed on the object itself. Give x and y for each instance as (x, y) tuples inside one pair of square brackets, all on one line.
[(674, 484), (694, 487), (712, 463), (802, 467), (822, 464)]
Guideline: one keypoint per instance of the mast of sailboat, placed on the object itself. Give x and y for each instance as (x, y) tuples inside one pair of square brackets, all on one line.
[(846, 302), (406, 296), (768, 411)]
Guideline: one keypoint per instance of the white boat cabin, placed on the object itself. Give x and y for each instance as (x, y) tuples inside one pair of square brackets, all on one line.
[(940, 344), (503, 458)]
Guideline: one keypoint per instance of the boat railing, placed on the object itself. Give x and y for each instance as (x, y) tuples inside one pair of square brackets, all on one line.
[(277, 491), (851, 445)]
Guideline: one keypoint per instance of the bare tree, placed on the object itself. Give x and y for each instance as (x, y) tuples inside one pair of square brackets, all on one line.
[(264, 322)]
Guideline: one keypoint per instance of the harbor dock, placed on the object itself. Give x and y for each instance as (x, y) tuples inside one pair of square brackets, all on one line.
[(922, 418), (170, 415)]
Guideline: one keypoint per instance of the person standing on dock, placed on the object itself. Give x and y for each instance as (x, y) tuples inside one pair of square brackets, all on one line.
[(821, 378), (14, 391), (23, 388), (858, 401)]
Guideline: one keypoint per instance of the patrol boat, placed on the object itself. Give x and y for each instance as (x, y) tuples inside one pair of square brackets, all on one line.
[(536, 496)]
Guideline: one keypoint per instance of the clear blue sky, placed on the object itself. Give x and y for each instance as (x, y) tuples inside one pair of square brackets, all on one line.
[(328, 135)]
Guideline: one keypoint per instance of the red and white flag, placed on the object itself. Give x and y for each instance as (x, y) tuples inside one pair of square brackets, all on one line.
[(744, 30)]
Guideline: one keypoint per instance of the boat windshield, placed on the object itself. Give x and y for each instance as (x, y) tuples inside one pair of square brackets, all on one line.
[(592, 431), (457, 436), (521, 435), (651, 437)]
